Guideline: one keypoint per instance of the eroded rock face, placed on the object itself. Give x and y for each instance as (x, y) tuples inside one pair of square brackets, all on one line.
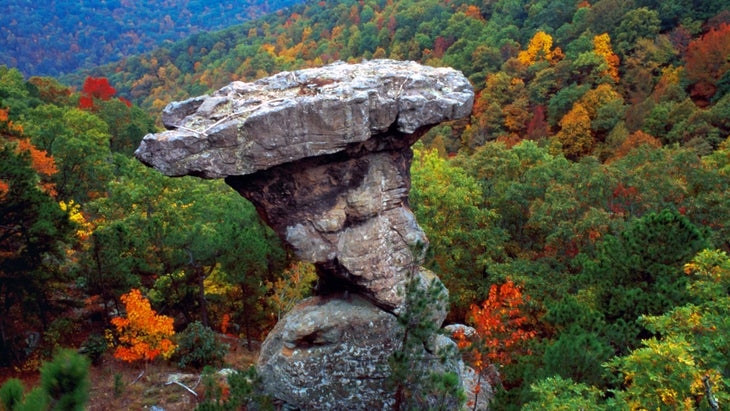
[(347, 215), (332, 351), (324, 155)]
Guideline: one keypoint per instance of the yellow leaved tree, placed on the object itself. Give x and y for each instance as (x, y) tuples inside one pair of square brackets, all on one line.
[(84, 229), (540, 49), (293, 286), (575, 133), (602, 47)]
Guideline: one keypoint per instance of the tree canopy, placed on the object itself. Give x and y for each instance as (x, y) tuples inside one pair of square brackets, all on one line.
[(591, 179)]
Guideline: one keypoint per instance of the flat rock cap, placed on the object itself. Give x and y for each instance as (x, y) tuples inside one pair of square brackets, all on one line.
[(247, 127)]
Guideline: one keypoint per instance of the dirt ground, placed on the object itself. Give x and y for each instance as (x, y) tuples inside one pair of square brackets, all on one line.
[(116, 385)]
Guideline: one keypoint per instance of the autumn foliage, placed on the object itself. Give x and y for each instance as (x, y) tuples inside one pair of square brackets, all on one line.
[(633, 117), (95, 89), (143, 334), (540, 49), (575, 132), (291, 288), (84, 228), (635, 140), (41, 162), (7, 125), (602, 47), (225, 323), (707, 61), (500, 324)]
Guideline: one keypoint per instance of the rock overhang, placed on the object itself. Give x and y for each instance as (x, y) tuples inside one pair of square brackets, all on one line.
[(248, 127)]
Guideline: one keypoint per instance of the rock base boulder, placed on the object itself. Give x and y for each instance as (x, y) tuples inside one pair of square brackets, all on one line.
[(331, 351)]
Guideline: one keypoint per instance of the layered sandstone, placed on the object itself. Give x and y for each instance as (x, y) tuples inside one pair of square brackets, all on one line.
[(324, 155)]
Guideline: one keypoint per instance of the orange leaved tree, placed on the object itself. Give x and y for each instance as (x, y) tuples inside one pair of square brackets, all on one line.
[(143, 334), (500, 325)]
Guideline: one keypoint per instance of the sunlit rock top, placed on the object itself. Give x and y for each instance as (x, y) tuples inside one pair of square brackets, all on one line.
[(247, 127)]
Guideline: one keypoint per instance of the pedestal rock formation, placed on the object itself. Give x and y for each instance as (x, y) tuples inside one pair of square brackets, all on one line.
[(324, 155)]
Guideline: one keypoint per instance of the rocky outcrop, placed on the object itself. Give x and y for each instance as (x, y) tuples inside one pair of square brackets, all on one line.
[(248, 127), (329, 352), (324, 155), (348, 215)]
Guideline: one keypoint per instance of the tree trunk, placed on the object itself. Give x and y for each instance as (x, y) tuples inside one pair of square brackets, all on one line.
[(246, 317), (201, 297)]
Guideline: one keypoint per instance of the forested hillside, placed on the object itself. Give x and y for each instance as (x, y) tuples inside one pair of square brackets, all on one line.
[(580, 218), (56, 37), (600, 73)]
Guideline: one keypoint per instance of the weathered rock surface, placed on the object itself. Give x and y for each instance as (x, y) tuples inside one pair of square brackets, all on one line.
[(247, 127), (349, 216), (324, 155), (331, 351)]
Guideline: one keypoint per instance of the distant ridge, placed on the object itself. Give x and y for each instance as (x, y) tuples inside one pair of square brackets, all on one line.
[(58, 37)]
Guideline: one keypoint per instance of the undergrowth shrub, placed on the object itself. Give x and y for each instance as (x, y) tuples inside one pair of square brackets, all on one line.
[(11, 394), (118, 385), (66, 380), (57, 335), (37, 400), (197, 347), (95, 347), (244, 392), (64, 386)]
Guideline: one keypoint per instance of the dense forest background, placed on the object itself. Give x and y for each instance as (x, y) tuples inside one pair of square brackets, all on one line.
[(56, 37), (592, 180)]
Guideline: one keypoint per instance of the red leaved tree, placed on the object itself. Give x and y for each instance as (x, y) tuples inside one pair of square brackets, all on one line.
[(501, 329), (537, 128), (95, 88), (707, 61)]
